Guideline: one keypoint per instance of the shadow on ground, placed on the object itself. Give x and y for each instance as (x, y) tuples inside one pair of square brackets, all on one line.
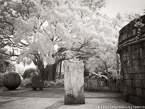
[(52, 93)]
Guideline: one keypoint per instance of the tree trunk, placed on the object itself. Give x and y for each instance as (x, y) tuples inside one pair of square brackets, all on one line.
[(38, 61), (48, 70), (42, 71), (74, 82), (106, 68), (54, 66), (60, 70)]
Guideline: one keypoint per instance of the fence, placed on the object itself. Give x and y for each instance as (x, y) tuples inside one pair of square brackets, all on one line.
[(99, 84)]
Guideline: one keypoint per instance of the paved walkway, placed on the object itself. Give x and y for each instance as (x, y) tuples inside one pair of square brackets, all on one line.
[(51, 98)]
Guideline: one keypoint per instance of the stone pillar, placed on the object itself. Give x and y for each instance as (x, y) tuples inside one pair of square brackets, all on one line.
[(74, 82)]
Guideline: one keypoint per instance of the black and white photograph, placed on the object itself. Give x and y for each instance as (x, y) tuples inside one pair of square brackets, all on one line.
[(72, 54)]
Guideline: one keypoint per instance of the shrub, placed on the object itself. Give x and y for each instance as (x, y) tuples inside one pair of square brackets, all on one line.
[(12, 80)]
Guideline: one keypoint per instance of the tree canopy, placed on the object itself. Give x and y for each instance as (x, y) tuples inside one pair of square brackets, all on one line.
[(48, 30)]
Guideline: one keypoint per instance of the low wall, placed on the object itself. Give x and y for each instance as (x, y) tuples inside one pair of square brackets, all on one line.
[(131, 48)]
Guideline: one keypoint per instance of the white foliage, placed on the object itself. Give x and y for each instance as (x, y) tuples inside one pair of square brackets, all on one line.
[(69, 23)]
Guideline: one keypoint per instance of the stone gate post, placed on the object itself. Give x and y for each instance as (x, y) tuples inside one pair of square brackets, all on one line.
[(74, 82)]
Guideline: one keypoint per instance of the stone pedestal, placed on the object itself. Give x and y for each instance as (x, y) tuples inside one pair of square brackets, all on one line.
[(74, 82)]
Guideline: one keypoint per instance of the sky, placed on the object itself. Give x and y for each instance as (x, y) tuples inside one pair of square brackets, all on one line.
[(123, 6)]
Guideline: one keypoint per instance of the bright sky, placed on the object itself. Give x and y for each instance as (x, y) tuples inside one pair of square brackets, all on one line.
[(123, 6)]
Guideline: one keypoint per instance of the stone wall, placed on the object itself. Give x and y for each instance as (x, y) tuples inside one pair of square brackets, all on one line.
[(132, 55)]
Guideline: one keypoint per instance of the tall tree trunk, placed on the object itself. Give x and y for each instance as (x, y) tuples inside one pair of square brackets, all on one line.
[(38, 61), (51, 72), (48, 70), (106, 68), (42, 71), (54, 66), (74, 82), (60, 70)]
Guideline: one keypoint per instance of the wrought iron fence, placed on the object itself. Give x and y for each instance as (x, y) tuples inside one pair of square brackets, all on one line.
[(105, 85)]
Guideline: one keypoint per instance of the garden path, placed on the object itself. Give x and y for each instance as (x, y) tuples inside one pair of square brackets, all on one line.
[(52, 98)]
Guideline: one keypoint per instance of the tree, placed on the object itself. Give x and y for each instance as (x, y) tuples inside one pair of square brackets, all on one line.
[(7, 46), (106, 60), (39, 25)]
